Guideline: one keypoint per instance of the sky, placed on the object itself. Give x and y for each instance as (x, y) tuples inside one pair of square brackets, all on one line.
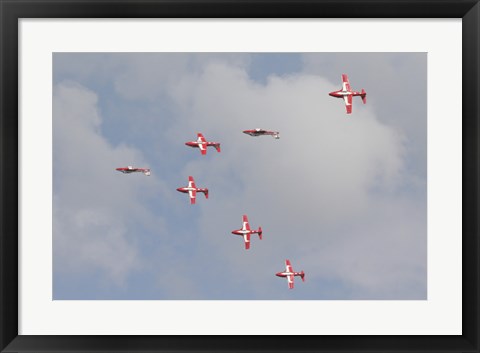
[(342, 196)]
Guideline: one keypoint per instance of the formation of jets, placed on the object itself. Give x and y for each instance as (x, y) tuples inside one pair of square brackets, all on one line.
[(346, 93), (246, 231), (262, 132), (202, 144), (192, 190)]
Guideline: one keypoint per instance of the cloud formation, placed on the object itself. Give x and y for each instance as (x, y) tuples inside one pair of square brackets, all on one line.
[(94, 209), (320, 192), (333, 194)]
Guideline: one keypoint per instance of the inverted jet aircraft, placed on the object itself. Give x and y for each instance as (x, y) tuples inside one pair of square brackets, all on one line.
[(192, 190), (290, 274), (246, 231), (262, 132), (130, 169), (347, 94), (202, 143)]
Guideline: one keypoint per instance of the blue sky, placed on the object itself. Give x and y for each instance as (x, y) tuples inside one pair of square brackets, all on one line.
[(343, 197)]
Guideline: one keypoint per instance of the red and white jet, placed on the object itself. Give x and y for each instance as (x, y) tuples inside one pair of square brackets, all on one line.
[(261, 132), (246, 231), (347, 94), (203, 144), (290, 274), (192, 190), (130, 169)]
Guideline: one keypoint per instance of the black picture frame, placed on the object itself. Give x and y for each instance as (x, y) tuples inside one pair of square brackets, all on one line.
[(13, 10)]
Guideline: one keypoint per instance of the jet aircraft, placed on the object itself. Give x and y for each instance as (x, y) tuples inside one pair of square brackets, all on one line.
[(130, 169), (202, 143), (290, 274), (262, 132), (246, 231), (347, 94), (192, 190)]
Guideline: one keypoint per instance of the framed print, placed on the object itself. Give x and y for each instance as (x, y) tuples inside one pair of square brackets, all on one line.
[(236, 176)]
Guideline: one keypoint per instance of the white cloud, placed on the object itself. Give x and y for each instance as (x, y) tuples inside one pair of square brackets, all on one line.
[(94, 205), (322, 192), (396, 88)]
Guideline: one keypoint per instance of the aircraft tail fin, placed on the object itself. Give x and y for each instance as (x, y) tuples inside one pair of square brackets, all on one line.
[(147, 172), (302, 275), (364, 96), (260, 232), (217, 147), (206, 193)]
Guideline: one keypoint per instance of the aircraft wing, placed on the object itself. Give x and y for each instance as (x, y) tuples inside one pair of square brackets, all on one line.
[(246, 238), (193, 196), (246, 224), (191, 182), (288, 266), (202, 143), (203, 147), (290, 279), (348, 103), (346, 84)]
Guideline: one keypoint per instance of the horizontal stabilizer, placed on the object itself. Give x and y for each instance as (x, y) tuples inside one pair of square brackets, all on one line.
[(364, 96)]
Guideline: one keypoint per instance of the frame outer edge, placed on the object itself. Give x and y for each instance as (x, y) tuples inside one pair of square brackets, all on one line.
[(8, 175), (470, 161), (9, 167)]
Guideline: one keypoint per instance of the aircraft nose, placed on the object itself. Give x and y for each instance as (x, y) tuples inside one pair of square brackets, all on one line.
[(332, 94), (278, 274)]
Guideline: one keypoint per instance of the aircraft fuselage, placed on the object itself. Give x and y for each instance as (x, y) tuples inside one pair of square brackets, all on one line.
[(243, 231), (341, 93), (187, 189), (285, 274)]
